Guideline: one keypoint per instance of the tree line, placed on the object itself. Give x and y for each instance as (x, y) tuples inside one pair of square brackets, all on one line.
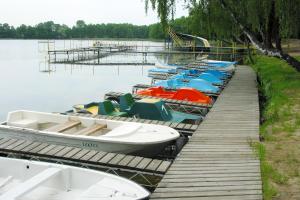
[(51, 30)]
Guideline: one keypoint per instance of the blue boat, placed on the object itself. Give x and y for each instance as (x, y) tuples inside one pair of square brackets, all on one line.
[(217, 73), (160, 70), (210, 78), (196, 72), (198, 84), (205, 76), (216, 63)]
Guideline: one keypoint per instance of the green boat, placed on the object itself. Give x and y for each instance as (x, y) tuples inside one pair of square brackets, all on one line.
[(152, 109)]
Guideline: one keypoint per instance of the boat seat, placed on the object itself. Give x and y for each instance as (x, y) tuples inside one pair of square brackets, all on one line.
[(92, 129), (30, 184), (6, 181), (63, 127), (126, 102), (24, 123), (107, 108)]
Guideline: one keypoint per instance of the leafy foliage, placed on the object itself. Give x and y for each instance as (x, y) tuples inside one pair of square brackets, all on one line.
[(261, 22), (211, 20), (50, 30)]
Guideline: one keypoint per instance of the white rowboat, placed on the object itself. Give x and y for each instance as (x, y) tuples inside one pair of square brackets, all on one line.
[(90, 133), (32, 180)]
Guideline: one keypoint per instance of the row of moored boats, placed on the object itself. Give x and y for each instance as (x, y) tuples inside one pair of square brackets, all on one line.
[(21, 179)]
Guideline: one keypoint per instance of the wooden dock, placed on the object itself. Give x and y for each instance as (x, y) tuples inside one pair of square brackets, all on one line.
[(218, 162)]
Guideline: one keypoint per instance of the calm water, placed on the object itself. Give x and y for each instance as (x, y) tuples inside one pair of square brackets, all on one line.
[(24, 86)]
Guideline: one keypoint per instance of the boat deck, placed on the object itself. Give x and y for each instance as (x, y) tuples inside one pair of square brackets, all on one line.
[(183, 128), (218, 162)]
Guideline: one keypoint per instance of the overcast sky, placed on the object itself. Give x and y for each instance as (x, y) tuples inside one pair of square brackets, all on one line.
[(31, 12)]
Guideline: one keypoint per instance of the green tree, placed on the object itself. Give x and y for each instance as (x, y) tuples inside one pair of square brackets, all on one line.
[(7, 31), (262, 22)]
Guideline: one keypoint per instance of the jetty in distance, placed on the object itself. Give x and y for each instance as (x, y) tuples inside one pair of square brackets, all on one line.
[(94, 54)]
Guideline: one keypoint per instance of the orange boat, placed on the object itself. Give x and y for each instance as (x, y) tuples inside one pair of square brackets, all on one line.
[(186, 94)]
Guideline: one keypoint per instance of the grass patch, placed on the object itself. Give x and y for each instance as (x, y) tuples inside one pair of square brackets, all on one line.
[(280, 84), (268, 173), (279, 152)]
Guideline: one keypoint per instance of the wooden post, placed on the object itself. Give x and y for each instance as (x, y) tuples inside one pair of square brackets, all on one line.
[(217, 49), (49, 57), (221, 51)]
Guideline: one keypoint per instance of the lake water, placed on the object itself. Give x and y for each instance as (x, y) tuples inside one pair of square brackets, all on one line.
[(24, 86)]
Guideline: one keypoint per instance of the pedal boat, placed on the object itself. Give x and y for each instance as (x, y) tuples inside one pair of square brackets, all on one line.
[(146, 108), (198, 84), (184, 94)]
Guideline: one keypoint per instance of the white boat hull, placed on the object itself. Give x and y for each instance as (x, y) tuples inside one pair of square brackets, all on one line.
[(134, 149), (88, 133), (32, 180)]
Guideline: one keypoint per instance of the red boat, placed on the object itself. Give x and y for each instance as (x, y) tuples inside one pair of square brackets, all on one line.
[(186, 94)]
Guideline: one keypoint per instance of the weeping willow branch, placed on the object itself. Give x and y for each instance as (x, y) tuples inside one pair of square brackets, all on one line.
[(274, 52)]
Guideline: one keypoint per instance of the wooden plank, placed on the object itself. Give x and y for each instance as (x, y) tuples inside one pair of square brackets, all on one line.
[(90, 130), (4, 140), (31, 146), (209, 184), (126, 160), (107, 158), (235, 197), (8, 142), (97, 156), (209, 188), (117, 159), (180, 126), (39, 148), (72, 153), (134, 162), (47, 149), (144, 163), (13, 145), (54, 150), (181, 194), (63, 127), (163, 167), (211, 177), (63, 151), (88, 155), (80, 154), (153, 165)]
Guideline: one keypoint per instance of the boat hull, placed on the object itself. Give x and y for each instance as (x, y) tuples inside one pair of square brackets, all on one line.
[(146, 150), (183, 94), (23, 179)]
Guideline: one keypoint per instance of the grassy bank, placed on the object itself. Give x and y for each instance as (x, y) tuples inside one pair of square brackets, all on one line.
[(280, 128)]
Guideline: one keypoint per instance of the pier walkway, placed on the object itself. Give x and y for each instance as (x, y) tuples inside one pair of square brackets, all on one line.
[(218, 162)]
